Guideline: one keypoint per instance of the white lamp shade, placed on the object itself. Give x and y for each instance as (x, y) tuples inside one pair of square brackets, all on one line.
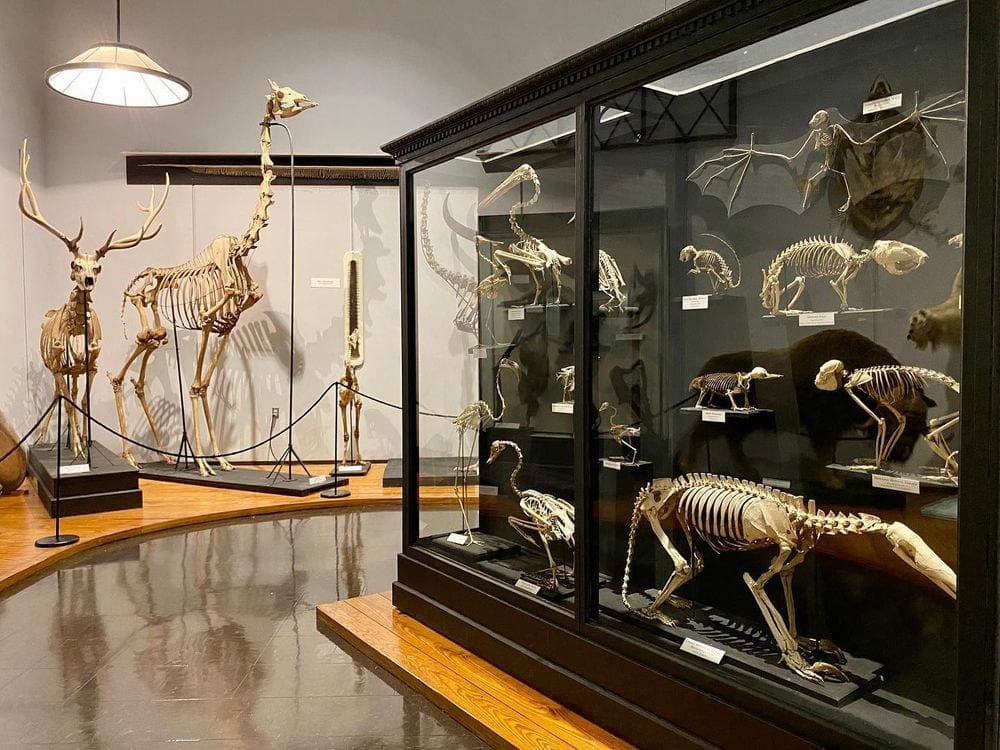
[(117, 74)]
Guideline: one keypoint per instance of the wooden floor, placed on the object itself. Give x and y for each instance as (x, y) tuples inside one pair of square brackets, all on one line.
[(489, 702), (166, 505)]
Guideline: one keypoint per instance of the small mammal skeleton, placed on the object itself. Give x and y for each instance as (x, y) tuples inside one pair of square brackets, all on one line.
[(66, 328), (887, 386), (550, 518), (713, 265), (728, 385), (621, 433), (833, 259), (735, 515), (567, 376), (530, 251)]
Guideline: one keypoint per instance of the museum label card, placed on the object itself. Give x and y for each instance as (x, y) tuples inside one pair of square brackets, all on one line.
[(780, 484), (506, 425), (323, 282), (900, 484), (515, 313), (630, 336), (563, 407), (458, 539), (893, 101), (703, 650), (75, 469), (713, 415), (694, 302), (808, 320), (488, 489), (531, 588), (613, 465), (318, 479), (479, 352)]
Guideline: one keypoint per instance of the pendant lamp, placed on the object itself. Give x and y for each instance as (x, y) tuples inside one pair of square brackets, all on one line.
[(117, 74)]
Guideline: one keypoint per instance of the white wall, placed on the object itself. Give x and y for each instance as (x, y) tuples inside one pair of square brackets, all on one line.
[(377, 69)]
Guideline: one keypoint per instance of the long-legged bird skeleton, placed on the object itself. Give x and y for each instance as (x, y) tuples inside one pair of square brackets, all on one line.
[(207, 294), (734, 515)]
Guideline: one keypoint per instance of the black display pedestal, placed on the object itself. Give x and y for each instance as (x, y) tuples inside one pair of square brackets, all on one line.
[(241, 478), (112, 483)]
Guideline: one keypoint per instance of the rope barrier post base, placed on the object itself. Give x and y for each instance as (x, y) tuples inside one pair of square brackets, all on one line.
[(336, 491), (58, 539)]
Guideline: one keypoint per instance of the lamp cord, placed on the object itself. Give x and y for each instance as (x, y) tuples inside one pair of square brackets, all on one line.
[(118, 19)]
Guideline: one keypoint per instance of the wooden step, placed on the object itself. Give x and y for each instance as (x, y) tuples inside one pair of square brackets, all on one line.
[(498, 708)]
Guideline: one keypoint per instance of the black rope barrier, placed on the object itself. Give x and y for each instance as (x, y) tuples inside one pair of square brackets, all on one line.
[(31, 430)]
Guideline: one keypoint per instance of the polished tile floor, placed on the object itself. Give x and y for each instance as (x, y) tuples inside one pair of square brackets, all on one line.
[(208, 639)]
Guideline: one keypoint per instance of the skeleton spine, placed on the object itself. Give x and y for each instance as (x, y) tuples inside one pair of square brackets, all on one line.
[(814, 257)]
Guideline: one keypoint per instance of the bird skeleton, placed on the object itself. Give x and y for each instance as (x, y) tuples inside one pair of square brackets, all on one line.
[(833, 259), (354, 356), (610, 282), (530, 251), (621, 433), (567, 377), (70, 341), (735, 515), (713, 265), (549, 518), (472, 419), (888, 386), (207, 294), (729, 385)]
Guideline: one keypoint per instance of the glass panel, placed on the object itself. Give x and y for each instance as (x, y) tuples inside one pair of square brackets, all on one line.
[(778, 354), (495, 285)]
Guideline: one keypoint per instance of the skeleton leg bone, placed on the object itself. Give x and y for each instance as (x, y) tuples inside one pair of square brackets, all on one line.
[(219, 349), (139, 385), (197, 403)]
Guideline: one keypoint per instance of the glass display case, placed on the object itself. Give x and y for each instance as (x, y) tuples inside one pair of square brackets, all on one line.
[(686, 321)]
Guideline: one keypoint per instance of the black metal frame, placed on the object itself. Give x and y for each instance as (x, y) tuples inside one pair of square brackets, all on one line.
[(644, 694)]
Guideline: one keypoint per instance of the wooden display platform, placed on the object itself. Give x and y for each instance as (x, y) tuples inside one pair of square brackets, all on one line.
[(498, 708)]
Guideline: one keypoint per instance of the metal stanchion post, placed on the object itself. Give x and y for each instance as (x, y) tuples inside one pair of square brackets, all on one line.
[(59, 540)]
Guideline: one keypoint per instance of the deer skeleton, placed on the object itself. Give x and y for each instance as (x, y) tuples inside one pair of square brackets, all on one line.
[(713, 265), (621, 433), (833, 259), (729, 385), (887, 386), (66, 328), (730, 514), (207, 294), (530, 251), (472, 419), (550, 518), (354, 356)]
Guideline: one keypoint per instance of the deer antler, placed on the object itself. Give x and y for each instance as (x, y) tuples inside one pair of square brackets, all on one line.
[(134, 239), (32, 211)]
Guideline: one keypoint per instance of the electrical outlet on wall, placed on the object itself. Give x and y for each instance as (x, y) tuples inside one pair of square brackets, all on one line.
[(275, 412)]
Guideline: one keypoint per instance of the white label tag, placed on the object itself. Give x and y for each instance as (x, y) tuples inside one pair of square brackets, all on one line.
[(318, 479), (703, 650), (506, 425), (563, 407), (630, 336), (531, 588), (893, 101), (479, 352), (75, 469), (807, 320), (458, 539), (607, 463), (515, 313), (713, 415), (781, 484), (900, 484), (324, 282), (489, 489), (694, 302)]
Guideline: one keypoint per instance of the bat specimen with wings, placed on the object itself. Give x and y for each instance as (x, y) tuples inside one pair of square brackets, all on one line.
[(881, 159)]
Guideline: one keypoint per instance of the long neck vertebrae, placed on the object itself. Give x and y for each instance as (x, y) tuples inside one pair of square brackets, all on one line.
[(515, 227), (265, 195)]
